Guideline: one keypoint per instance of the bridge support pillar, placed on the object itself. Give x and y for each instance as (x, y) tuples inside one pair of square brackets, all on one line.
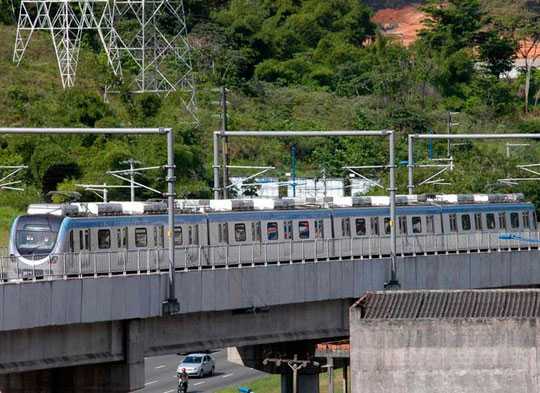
[(307, 383), (120, 376)]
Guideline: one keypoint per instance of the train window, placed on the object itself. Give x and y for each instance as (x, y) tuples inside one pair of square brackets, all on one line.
[(240, 232), (534, 220), (478, 221), (272, 231), (256, 231), (402, 224), (104, 239), (288, 230), (303, 229), (490, 221), (374, 222), (360, 227), (122, 237), (81, 240), (345, 227), (141, 237), (525, 219), (452, 219), (502, 220), (387, 228), (417, 225), (465, 222), (514, 220), (178, 240), (319, 229), (71, 242), (430, 224)]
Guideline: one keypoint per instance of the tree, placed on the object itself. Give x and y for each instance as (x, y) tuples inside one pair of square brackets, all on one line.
[(497, 52), (291, 41), (520, 21), (8, 11), (452, 25)]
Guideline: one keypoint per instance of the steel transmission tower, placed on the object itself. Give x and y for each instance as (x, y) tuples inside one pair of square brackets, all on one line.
[(65, 20), (146, 37), (151, 36)]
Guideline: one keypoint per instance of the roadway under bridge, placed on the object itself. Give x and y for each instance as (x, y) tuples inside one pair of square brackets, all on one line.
[(67, 335)]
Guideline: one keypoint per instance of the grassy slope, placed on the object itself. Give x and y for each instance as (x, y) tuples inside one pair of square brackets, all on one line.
[(271, 384)]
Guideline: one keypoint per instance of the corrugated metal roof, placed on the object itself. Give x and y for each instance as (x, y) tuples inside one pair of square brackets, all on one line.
[(440, 304)]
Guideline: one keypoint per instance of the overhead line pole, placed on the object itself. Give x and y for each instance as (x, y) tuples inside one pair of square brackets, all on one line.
[(393, 282), (170, 305), (412, 137)]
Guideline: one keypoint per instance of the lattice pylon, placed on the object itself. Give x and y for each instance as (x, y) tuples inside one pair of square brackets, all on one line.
[(65, 20), (163, 59)]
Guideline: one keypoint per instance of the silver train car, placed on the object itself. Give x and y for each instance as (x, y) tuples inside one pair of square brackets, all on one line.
[(107, 238)]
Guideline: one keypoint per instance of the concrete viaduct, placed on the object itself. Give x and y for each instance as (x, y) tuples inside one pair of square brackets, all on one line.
[(92, 334)]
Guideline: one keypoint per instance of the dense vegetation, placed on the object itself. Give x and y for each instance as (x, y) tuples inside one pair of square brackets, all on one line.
[(290, 64)]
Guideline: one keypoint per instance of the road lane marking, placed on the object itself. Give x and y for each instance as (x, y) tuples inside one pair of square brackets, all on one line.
[(170, 391), (151, 382), (199, 383), (161, 366), (227, 375)]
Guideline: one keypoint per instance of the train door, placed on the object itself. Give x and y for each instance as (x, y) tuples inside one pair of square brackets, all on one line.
[(290, 248), (239, 248), (72, 257), (192, 249), (272, 237), (319, 233), (158, 253), (385, 240), (220, 239), (119, 259), (343, 237), (141, 243), (256, 242), (305, 246), (431, 241), (102, 246), (204, 256), (180, 243), (83, 244)]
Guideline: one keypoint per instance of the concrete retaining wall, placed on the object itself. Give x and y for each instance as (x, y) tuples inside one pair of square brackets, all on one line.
[(444, 356)]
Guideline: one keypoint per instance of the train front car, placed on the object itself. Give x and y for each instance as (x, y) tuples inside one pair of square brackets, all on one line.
[(33, 241)]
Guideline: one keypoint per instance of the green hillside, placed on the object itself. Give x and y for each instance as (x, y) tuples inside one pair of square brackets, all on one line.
[(290, 65)]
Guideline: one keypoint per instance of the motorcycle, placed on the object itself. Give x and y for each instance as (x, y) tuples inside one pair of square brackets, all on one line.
[(182, 387)]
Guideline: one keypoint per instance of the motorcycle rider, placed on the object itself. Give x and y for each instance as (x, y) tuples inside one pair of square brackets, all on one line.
[(183, 381)]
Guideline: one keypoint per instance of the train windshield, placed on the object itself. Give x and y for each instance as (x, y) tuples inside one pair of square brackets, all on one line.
[(36, 240)]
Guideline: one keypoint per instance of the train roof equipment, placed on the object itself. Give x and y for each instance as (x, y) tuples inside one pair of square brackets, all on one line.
[(207, 206)]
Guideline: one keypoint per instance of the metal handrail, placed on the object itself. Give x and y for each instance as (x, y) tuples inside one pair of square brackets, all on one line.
[(154, 260)]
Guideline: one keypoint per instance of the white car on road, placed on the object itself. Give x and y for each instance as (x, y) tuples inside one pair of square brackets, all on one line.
[(197, 365)]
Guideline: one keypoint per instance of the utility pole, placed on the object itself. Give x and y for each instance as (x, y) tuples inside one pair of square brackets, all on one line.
[(450, 124), (131, 171), (293, 169), (224, 141), (294, 364), (325, 189)]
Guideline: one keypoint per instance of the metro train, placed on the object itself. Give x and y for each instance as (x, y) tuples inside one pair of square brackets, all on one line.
[(95, 238)]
